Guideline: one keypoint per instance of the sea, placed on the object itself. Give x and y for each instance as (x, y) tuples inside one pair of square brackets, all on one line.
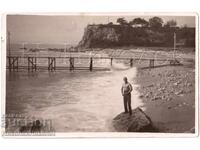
[(76, 101)]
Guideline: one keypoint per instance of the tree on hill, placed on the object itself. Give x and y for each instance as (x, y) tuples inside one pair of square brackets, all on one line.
[(110, 23), (139, 21), (155, 22), (170, 23), (122, 21)]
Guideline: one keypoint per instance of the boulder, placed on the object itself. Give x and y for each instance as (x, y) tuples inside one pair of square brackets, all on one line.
[(137, 122)]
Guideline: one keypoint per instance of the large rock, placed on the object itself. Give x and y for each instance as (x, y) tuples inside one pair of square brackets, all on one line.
[(137, 122)]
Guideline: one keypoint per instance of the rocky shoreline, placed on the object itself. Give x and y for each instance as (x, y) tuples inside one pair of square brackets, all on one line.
[(168, 94), (169, 97)]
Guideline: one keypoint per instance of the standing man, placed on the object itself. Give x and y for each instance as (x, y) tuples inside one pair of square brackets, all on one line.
[(126, 93)]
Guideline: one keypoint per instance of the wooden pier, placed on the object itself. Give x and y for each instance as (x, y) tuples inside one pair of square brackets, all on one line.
[(33, 65)]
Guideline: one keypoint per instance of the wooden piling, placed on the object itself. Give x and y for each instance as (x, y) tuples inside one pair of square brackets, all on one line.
[(13, 63), (111, 59), (9, 63), (28, 63), (54, 63), (32, 64), (50, 68), (17, 67), (71, 63), (51, 63), (35, 63), (91, 64), (151, 63), (131, 62), (48, 63)]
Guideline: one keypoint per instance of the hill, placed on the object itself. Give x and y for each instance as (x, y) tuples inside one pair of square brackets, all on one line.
[(106, 35)]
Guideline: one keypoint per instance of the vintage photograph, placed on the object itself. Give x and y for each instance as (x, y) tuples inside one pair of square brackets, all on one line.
[(109, 73)]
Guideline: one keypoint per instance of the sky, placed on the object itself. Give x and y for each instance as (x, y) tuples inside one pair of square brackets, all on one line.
[(68, 29)]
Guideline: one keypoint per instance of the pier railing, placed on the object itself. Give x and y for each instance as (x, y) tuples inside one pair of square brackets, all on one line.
[(32, 63)]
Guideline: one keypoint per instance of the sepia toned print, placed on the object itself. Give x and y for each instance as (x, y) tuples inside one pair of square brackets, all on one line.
[(100, 73)]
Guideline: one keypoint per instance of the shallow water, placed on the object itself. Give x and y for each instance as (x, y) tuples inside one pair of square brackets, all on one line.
[(74, 101)]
